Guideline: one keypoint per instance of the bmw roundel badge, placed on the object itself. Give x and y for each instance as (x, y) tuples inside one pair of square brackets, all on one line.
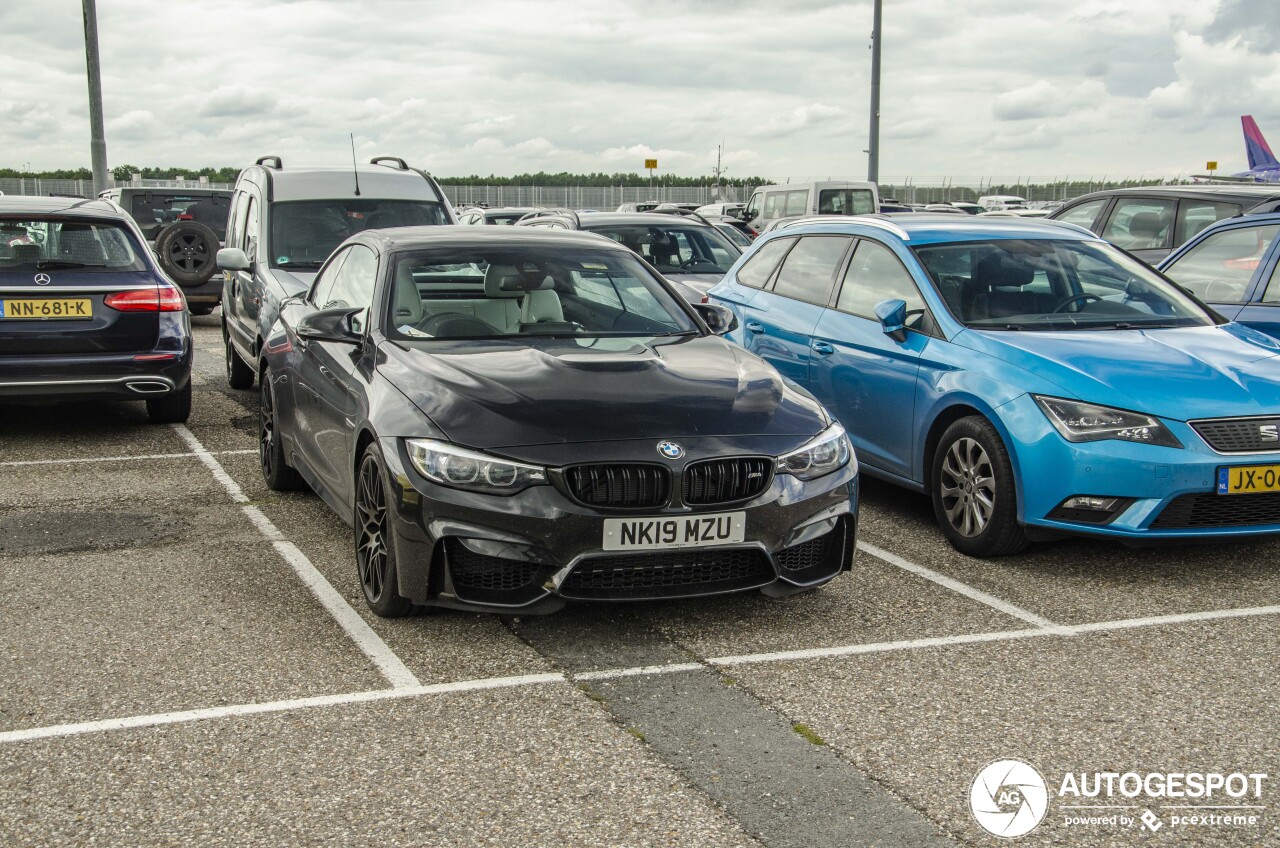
[(670, 450)]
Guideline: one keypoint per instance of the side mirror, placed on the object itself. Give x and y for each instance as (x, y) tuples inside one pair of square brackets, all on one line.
[(232, 259), (893, 318), (719, 319), (331, 325)]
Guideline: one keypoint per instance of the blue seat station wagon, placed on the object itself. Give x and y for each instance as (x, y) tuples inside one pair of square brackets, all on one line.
[(1031, 378)]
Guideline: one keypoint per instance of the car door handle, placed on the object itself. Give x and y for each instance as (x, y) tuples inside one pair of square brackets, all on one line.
[(755, 326), (823, 348)]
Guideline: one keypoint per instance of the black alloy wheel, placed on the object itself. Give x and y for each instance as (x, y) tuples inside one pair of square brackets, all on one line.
[(375, 555), (275, 471)]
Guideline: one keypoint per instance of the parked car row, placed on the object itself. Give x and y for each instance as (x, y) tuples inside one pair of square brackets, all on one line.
[(585, 405)]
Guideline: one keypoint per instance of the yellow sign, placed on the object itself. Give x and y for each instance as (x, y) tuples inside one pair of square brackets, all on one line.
[(651, 163), (1212, 166)]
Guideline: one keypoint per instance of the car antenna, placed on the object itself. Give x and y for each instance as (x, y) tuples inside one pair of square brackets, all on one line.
[(354, 169)]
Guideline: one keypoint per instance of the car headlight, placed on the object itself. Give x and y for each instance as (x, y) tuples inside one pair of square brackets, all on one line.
[(1088, 422), (450, 465), (828, 451)]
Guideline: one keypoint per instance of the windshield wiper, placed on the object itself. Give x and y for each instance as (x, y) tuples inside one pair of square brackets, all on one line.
[(55, 264), (299, 264), (675, 333)]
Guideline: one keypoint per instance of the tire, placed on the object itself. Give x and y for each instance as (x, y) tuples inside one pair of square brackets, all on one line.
[(188, 252), (375, 554), (275, 471), (239, 373), (974, 495), (200, 311), (173, 408)]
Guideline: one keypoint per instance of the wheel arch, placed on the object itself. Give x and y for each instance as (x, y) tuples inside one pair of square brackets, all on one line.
[(947, 416)]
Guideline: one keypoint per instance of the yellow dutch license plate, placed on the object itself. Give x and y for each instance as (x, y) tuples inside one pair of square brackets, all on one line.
[(47, 308), (1248, 479)]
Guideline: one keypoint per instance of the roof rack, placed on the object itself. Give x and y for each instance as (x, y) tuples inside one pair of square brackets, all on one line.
[(400, 164), (553, 213), (263, 160)]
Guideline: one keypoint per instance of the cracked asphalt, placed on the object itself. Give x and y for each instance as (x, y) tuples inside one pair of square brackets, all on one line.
[(133, 588)]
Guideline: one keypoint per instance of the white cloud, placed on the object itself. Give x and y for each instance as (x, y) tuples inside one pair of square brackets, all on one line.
[(502, 86)]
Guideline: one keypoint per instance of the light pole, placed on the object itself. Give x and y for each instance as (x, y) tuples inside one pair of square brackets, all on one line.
[(97, 137), (873, 147)]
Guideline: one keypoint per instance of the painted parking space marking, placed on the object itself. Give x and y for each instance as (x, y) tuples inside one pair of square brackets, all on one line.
[(964, 589), (541, 679), (78, 460), (232, 711), (369, 642)]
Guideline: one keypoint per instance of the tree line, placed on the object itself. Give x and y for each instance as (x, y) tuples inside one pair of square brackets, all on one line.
[(124, 173)]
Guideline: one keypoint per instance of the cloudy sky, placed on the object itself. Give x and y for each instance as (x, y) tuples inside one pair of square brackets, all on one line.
[(979, 88)]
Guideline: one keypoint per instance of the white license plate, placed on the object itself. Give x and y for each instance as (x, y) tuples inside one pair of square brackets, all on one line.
[(683, 531)]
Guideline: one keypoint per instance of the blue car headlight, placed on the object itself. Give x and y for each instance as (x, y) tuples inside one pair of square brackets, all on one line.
[(827, 452), (1078, 421), (450, 465)]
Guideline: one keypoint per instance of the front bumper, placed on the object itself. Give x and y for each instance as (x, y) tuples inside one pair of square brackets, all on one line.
[(534, 551), (1171, 492)]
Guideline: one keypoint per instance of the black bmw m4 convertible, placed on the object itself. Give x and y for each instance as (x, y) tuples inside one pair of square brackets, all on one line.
[(510, 420)]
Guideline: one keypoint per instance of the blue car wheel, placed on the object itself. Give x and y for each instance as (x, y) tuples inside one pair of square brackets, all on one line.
[(974, 497)]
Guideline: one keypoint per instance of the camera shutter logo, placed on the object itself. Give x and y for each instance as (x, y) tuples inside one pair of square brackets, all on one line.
[(1008, 798), (42, 279)]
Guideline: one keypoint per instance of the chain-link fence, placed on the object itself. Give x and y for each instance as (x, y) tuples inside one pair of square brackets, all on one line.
[(602, 198), (39, 187), (608, 198)]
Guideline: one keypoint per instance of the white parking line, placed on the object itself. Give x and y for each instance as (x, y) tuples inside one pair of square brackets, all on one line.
[(81, 459), (420, 690), (275, 707), (964, 589), (390, 665)]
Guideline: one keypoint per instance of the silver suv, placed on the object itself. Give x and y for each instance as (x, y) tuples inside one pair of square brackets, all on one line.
[(284, 223)]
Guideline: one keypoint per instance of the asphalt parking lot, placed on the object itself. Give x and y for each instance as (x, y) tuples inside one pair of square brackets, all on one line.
[(187, 659)]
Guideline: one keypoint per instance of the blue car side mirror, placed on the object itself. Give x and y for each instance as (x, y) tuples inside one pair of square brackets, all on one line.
[(893, 318)]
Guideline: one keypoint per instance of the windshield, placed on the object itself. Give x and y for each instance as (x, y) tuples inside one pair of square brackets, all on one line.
[(44, 244), (506, 292), (304, 233), (1220, 268), (674, 248), (1047, 284), (734, 235)]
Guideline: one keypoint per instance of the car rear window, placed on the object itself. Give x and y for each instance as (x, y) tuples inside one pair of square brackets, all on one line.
[(31, 245), (154, 212), (846, 201)]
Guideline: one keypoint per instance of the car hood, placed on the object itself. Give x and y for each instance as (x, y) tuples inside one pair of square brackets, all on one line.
[(510, 394), (701, 282), (294, 281), (1180, 373)]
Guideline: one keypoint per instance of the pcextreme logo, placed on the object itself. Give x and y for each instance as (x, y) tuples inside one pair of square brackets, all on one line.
[(1010, 798)]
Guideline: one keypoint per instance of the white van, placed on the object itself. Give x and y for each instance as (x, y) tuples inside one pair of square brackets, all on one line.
[(1000, 202), (833, 197)]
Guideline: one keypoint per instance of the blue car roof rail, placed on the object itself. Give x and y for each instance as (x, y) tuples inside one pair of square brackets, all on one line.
[(850, 219)]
